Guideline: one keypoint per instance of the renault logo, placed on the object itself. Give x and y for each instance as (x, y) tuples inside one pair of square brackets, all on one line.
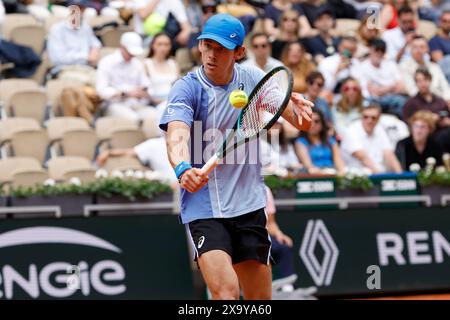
[(317, 233)]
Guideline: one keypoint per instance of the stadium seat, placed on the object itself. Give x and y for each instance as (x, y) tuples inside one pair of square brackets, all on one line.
[(110, 37), (84, 175), (54, 88), (99, 21), (14, 20), (105, 126), (32, 36), (183, 59), (57, 126), (426, 28), (60, 166), (28, 178), (344, 26), (60, 11), (123, 139), (41, 72), (150, 126), (27, 104), (52, 20), (8, 165), (123, 164), (80, 143), (10, 126), (10, 86), (30, 143)]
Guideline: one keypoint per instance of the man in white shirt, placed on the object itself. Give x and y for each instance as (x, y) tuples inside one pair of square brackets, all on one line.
[(420, 58), (381, 80), (158, 11), (121, 80), (339, 66), (261, 53), (151, 153), (399, 38), (73, 48), (366, 145)]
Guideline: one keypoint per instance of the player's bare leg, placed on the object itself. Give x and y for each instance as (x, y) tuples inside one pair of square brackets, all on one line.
[(219, 275), (255, 279)]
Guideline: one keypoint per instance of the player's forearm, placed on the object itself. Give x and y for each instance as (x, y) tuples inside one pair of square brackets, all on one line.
[(178, 134)]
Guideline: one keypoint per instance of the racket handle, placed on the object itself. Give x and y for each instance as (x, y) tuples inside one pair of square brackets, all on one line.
[(210, 165)]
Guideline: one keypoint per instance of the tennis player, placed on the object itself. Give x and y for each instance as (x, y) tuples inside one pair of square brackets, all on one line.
[(223, 213)]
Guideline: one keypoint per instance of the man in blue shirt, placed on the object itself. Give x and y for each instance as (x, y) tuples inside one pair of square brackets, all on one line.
[(224, 213)]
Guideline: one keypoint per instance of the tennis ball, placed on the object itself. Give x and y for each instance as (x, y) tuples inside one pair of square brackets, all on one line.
[(238, 99)]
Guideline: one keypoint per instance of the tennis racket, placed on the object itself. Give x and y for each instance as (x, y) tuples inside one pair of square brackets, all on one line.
[(265, 105)]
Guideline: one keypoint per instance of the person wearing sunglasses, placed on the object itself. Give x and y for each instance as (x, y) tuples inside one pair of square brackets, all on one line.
[(381, 80), (274, 18), (314, 85), (316, 150), (365, 144), (288, 31), (260, 49), (349, 107)]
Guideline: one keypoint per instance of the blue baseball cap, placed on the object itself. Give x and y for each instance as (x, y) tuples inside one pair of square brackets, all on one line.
[(225, 29)]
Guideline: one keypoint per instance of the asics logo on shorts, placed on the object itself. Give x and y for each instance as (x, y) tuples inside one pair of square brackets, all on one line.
[(200, 242)]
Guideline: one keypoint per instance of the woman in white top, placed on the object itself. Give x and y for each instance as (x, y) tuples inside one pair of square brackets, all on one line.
[(162, 70), (349, 106)]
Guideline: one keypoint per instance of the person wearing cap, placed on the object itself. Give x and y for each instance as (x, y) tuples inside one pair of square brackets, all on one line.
[(323, 44), (73, 48), (122, 81), (223, 214)]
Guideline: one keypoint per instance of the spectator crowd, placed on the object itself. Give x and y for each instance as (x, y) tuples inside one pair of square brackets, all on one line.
[(378, 72)]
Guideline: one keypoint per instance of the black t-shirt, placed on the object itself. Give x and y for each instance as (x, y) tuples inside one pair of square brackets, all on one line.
[(407, 153), (274, 14), (317, 45)]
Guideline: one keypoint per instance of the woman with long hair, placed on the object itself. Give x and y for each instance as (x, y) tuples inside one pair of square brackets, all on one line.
[(365, 34), (316, 150), (294, 57), (349, 106), (288, 30), (272, 21), (163, 71)]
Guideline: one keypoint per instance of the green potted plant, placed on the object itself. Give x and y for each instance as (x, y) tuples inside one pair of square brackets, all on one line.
[(70, 197), (356, 183), (131, 187), (434, 181)]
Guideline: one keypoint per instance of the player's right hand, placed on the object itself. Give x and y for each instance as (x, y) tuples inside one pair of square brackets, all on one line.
[(193, 180)]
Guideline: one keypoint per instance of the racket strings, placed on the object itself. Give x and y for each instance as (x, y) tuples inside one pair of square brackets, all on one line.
[(264, 104)]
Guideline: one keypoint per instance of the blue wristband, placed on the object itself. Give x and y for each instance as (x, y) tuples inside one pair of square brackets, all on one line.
[(181, 168)]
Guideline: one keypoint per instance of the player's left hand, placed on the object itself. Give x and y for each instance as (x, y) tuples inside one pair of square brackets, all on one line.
[(284, 239), (302, 107)]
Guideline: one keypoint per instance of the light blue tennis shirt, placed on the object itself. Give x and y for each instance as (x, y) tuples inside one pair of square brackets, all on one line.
[(235, 187)]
